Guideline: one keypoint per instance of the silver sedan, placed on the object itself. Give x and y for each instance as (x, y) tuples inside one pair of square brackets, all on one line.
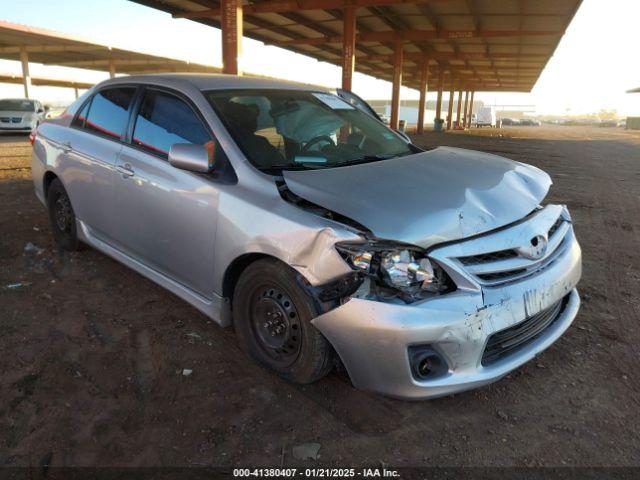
[(321, 235)]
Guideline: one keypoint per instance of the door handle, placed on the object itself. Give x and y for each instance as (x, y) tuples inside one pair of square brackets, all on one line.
[(125, 170), (66, 147)]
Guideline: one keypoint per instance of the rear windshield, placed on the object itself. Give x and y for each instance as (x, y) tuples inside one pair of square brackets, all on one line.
[(18, 105), (289, 129)]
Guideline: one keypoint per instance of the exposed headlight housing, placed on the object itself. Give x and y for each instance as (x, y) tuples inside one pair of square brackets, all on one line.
[(397, 270)]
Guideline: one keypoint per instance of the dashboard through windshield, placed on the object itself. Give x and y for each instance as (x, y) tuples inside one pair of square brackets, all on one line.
[(284, 129)]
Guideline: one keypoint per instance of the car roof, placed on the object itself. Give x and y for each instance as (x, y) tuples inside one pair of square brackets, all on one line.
[(213, 81)]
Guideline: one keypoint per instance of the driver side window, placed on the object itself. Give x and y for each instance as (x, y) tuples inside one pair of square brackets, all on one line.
[(164, 120)]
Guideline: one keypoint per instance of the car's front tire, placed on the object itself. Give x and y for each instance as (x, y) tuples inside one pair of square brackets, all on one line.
[(272, 316), (62, 217)]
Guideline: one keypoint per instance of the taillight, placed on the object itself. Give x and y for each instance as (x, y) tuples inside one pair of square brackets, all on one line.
[(32, 137)]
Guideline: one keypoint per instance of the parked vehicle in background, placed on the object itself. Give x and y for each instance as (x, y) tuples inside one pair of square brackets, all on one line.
[(509, 122), (608, 123), (530, 122), (486, 117), (315, 230), (622, 123), (20, 115)]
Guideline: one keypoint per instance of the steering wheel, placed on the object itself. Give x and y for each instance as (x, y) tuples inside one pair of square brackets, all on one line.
[(318, 139)]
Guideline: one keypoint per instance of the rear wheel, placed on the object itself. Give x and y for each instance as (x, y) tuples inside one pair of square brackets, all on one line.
[(272, 317), (62, 217)]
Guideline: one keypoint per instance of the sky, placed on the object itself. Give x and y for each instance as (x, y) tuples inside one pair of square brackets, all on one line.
[(595, 64)]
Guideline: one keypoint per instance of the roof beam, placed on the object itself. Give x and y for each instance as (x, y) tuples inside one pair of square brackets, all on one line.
[(40, 81), (418, 56), (283, 6), (53, 48), (417, 35)]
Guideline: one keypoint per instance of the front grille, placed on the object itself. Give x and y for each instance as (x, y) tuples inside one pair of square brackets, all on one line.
[(493, 277), (488, 257), (11, 119), (500, 266), (554, 228), (510, 340)]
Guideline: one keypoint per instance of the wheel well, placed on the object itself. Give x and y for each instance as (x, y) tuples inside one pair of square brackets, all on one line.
[(48, 178), (235, 269)]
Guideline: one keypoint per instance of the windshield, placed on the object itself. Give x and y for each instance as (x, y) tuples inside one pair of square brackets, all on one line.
[(17, 105), (283, 130)]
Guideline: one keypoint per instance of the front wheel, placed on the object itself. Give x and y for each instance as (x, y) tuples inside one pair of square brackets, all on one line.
[(272, 317), (62, 217)]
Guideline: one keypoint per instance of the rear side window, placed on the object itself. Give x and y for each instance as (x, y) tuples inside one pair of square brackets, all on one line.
[(164, 120), (108, 113), (79, 119)]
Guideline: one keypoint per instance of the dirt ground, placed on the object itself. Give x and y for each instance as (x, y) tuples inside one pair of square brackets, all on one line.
[(92, 354)]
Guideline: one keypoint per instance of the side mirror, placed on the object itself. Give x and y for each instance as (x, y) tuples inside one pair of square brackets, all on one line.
[(188, 156)]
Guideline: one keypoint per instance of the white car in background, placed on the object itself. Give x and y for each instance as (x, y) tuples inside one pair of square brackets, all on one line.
[(20, 115)]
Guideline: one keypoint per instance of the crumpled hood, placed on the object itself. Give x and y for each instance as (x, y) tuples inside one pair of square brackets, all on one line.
[(437, 196)]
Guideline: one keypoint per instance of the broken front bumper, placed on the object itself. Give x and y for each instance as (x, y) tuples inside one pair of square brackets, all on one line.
[(374, 338)]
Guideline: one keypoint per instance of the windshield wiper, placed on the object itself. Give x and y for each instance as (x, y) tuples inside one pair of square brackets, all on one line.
[(317, 166), (367, 159), (293, 166)]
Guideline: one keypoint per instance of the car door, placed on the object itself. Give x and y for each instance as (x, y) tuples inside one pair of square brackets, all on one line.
[(90, 148), (166, 217)]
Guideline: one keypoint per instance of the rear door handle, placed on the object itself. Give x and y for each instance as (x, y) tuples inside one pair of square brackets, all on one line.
[(66, 147), (125, 170)]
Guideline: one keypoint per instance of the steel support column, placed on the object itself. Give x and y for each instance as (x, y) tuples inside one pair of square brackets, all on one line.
[(397, 83), (26, 76), (423, 95), (459, 111), (112, 69), (76, 93), (450, 109), (466, 109), (348, 47), (231, 26), (439, 99), (470, 109)]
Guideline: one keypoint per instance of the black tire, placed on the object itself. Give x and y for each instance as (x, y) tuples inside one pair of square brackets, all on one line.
[(62, 217), (272, 317)]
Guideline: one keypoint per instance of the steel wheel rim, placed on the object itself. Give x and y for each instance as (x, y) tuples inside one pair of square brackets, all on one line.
[(63, 212), (275, 325)]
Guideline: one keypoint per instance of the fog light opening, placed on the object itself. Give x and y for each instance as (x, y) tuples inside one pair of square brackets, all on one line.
[(425, 367), (426, 363)]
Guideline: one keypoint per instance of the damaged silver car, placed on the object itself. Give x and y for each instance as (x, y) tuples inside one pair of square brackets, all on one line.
[(321, 235)]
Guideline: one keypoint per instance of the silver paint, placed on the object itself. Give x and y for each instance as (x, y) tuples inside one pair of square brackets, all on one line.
[(437, 196), (184, 230), (189, 157)]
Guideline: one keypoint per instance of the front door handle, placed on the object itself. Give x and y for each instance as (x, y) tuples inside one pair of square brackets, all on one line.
[(66, 147), (125, 170)]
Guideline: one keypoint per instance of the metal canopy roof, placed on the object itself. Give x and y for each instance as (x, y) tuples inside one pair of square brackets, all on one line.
[(53, 48), (490, 45), (634, 90), (44, 82)]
